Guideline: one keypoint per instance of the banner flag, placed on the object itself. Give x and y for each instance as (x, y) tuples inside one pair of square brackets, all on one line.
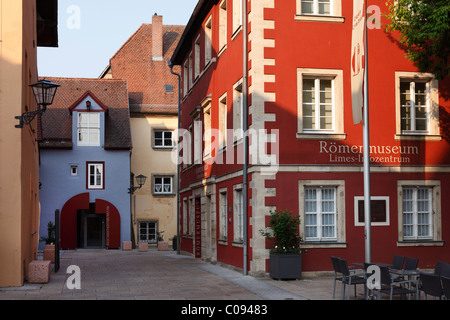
[(357, 57)]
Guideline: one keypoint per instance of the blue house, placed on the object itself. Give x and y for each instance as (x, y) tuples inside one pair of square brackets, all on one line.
[(85, 149)]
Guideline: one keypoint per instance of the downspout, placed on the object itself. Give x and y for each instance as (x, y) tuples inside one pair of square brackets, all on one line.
[(245, 125), (178, 154)]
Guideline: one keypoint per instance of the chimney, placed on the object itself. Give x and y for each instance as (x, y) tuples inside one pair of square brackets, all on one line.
[(157, 38)]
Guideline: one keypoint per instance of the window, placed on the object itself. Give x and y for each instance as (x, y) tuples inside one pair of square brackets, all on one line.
[(88, 129), (163, 185), (320, 214), (238, 111), (320, 104), (148, 231), (237, 14), (223, 121), (223, 207), (197, 57), (419, 215), (168, 88), (185, 78), (95, 175), (222, 25), (417, 106), (208, 41), (74, 170), (238, 214), (191, 62), (163, 139), (414, 110), (185, 216), (417, 222), (207, 130), (317, 7), (319, 11)]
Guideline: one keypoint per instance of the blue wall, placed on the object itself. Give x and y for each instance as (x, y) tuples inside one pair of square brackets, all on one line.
[(58, 185)]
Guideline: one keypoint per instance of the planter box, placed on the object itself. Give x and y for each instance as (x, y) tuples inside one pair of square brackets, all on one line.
[(285, 266), (163, 246), (49, 253)]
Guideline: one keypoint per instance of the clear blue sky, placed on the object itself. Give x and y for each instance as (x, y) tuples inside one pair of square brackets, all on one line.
[(91, 32)]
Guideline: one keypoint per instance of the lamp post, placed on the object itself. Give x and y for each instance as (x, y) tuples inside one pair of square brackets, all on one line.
[(44, 93), (140, 179)]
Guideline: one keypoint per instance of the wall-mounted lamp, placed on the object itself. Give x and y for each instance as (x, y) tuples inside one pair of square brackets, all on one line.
[(140, 179), (44, 93)]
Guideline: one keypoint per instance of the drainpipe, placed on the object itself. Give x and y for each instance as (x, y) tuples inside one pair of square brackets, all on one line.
[(178, 154), (245, 125)]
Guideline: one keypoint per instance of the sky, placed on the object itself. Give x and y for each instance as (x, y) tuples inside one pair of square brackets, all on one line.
[(91, 31)]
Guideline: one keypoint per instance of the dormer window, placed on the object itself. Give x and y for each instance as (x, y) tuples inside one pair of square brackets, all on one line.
[(89, 129)]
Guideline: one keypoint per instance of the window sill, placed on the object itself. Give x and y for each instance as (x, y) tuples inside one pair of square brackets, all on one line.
[(319, 18), (164, 195), (420, 243), (417, 137), (222, 242), (327, 244), (238, 243), (321, 136)]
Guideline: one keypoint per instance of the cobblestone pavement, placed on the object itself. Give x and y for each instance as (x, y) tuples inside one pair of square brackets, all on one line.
[(164, 275)]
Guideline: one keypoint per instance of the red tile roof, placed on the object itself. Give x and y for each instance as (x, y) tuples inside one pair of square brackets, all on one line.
[(113, 94), (147, 78)]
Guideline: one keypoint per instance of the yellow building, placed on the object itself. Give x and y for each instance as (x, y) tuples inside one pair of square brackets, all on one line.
[(153, 99), (19, 154)]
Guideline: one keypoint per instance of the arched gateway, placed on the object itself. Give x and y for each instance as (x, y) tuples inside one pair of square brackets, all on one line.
[(89, 225)]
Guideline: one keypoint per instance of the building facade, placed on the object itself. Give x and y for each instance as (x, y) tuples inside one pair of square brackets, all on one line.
[(153, 99), (305, 153), (20, 34), (85, 163)]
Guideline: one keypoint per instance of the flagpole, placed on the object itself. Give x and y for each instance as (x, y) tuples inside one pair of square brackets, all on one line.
[(366, 149)]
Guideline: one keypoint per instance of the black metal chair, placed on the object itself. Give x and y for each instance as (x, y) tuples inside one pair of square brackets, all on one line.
[(397, 262), (350, 278), (392, 286), (411, 263), (430, 284), (446, 287), (337, 272), (442, 269)]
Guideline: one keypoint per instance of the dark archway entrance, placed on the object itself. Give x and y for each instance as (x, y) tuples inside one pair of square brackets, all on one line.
[(89, 225)]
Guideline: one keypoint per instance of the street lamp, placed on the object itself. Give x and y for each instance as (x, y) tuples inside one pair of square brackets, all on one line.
[(44, 93), (140, 179)]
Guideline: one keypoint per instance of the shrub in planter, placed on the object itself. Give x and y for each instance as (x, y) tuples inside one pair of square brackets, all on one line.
[(285, 256)]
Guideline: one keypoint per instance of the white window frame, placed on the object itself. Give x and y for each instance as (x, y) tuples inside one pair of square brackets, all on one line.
[(415, 223), (162, 184), (197, 57), (208, 41), (238, 214), (334, 16), (238, 111), (185, 77), (87, 130), (223, 214), (223, 34), (432, 103), (185, 216), (319, 214), (316, 105), (237, 15), (435, 237), (98, 175), (337, 133), (148, 228), (340, 240), (163, 139), (223, 121)]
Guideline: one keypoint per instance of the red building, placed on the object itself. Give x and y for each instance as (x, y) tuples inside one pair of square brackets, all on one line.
[(305, 151)]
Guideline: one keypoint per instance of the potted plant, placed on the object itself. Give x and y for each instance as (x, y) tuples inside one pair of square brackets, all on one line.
[(285, 256)]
